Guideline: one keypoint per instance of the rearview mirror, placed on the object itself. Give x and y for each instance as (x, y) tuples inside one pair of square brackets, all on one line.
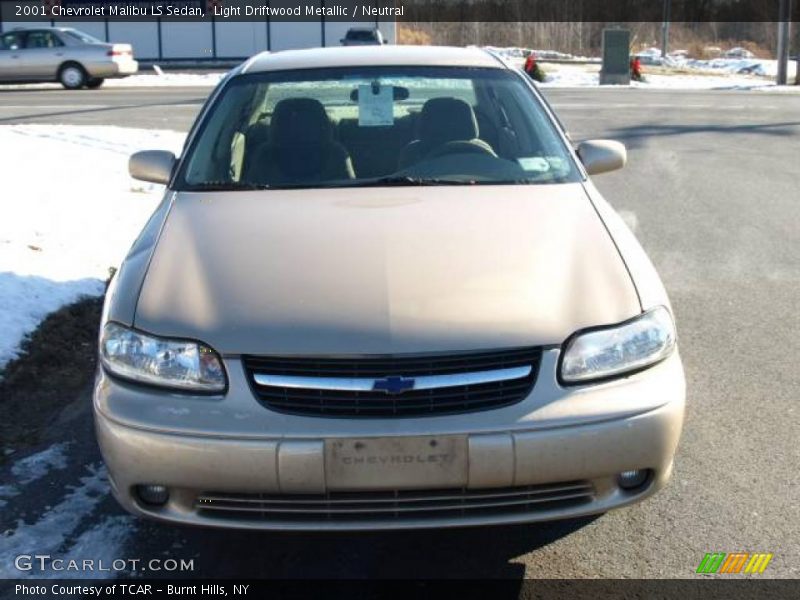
[(398, 93), (602, 156), (152, 165)]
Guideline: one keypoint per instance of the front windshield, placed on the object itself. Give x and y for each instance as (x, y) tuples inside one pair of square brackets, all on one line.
[(376, 126)]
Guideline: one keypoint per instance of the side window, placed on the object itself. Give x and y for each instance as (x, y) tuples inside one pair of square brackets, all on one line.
[(42, 39), (10, 41)]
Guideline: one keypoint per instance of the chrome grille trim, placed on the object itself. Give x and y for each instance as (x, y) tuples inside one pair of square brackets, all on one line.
[(395, 505), (363, 384), (380, 386)]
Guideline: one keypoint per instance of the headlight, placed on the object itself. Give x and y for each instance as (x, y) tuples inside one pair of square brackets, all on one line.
[(143, 358), (619, 349)]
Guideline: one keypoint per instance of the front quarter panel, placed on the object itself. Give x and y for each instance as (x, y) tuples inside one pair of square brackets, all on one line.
[(645, 278), (123, 294)]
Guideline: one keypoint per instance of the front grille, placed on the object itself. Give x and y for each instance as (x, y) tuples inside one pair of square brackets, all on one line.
[(415, 402), (394, 505)]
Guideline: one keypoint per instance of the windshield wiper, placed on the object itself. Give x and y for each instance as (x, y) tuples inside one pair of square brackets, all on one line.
[(388, 181), (224, 186), (406, 180)]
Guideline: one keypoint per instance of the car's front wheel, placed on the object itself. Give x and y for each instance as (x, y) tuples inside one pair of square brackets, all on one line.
[(94, 83), (72, 76)]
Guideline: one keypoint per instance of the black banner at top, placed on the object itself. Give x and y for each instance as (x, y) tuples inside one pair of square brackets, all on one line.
[(607, 11)]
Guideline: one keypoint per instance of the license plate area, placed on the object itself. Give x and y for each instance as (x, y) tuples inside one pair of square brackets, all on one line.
[(396, 463)]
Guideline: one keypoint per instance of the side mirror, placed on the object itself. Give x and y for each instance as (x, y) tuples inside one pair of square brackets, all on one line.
[(152, 165), (602, 156)]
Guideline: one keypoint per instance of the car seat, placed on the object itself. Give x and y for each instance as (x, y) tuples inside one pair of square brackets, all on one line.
[(300, 148), (444, 123)]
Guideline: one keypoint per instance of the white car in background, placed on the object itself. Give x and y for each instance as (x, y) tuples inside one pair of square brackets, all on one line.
[(739, 53), (71, 57), (650, 56)]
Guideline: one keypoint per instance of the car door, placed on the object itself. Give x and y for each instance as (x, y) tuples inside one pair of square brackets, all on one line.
[(11, 45), (42, 55)]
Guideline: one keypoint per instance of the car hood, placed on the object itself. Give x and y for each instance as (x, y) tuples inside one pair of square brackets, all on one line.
[(383, 270)]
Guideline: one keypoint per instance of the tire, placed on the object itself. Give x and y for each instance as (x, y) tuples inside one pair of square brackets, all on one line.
[(72, 76), (94, 83)]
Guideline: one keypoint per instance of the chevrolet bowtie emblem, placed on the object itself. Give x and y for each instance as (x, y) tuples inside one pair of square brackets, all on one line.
[(393, 385)]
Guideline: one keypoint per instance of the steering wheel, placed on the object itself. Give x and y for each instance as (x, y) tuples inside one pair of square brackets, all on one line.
[(461, 147)]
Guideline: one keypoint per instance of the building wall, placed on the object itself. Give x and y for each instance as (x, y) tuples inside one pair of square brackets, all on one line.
[(167, 41)]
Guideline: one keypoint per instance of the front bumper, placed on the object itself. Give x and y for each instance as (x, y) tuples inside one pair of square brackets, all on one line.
[(556, 437)]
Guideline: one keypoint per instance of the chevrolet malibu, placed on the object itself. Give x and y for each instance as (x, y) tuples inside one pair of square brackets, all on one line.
[(382, 292), (71, 57)]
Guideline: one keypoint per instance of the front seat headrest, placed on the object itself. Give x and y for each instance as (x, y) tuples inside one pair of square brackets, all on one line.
[(447, 120), (300, 121)]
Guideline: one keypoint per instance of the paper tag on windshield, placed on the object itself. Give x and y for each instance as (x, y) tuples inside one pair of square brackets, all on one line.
[(375, 110), (534, 163)]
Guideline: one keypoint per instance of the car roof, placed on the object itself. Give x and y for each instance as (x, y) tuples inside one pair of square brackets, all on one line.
[(36, 29), (368, 56)]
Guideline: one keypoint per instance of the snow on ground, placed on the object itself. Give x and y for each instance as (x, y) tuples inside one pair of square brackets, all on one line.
[(754, 66), (733, 65), (674, 72), (151, 79), (70, 212), (145, 78), (6, 492), (38, 465), (105, 542), (57, 532), (718, 73), (581, 75)]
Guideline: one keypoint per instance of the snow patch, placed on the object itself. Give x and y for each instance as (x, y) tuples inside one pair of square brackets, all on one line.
[(162, 79), (105, 541), (157, 78), (38, 465), (54, 528), (578, 76), (733, 72), (6, 492), (70, 212)]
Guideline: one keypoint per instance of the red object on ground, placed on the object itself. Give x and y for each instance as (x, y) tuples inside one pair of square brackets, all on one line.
[(530, 63), (636, 68)]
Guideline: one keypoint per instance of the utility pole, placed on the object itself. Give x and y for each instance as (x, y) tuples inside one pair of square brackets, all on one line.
[(665, 28), (784, 17)]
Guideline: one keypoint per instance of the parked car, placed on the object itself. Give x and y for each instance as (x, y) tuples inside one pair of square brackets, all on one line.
[(71, 57), (739, 53), (381, 292), (363, 36), (650, 57)]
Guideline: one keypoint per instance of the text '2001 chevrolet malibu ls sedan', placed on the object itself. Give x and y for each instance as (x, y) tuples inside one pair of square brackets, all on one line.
[(381, 292)]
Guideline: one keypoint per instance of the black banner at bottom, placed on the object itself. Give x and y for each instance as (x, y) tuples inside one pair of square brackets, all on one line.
[(706, 588)]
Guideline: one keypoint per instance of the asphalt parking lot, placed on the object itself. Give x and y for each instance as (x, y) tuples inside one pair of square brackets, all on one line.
[(712, 190)]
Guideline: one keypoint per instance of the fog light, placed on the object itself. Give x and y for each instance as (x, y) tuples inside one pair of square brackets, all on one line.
[(629, 480), (154, 495)]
